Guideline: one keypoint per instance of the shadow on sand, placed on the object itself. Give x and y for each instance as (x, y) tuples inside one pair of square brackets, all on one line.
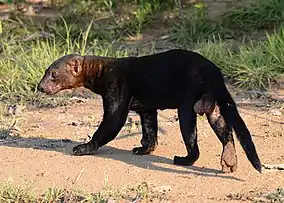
[(150, 162)]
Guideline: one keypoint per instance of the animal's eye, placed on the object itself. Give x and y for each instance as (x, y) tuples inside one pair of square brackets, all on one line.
[(53, 75)]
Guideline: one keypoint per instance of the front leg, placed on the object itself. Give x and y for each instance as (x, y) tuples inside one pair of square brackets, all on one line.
[(116, 108), (149, 139)]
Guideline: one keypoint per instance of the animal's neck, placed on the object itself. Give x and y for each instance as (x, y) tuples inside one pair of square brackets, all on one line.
[(94, 69)]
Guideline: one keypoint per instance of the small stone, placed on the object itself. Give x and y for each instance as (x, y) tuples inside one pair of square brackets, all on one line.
[(163, 189), (275, 112), (111, 200), (74, 124), (15, 109), (77, 99)]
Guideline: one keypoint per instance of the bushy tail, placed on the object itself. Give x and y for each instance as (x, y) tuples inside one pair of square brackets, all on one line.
[(229, 110), (244, 137)]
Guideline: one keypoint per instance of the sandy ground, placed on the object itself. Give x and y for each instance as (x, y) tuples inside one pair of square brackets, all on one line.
[(42, 155)]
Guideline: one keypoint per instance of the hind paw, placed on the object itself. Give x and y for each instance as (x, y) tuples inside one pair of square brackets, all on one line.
[(229, 158), (228, 169), (184, 161)]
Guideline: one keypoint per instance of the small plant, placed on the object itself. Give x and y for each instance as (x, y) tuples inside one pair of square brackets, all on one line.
[(277, 196), (141, 18), (251, 68), (156, 4), (1, 27), (274, 48), (195, 28), (260, 14), (52, 195), (143, 190), (218, 51), (23, 63), (17, 194), (254, 65)]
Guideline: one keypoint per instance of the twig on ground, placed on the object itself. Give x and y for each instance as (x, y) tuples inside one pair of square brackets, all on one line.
[(78, 177), (274, 166)]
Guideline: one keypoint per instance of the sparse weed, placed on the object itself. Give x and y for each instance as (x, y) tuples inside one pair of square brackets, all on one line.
[(195, 28), (16, 194), (259, 64), (277, 196), (27, 49), (1, 28), (274, 48), (260, 14), (251, 63), (218, 51), (52, 195), (24, 63), (21, 194), (143, 190), (156, 4), (21, 69), (145, 13), (141, 18), (251, 67), (254, 65)]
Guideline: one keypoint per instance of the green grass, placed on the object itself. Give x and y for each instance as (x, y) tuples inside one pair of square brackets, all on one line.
[(23, 64), (27, 48), (254, 65), (16, 194), (144, 14), (113, 19), (250, 63), (10, 193), (277, 196), (260, 14), (237, 23), (195, 27)]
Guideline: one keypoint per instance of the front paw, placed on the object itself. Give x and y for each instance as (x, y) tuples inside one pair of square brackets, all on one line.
[(84, 149)]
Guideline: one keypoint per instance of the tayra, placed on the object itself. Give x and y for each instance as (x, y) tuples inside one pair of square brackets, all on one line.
[(175, 79)]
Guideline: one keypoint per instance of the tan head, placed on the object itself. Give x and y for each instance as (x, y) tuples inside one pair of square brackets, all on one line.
[(64, 73)]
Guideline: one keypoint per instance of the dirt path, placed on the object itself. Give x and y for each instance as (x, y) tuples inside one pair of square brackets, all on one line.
[(41, 156)]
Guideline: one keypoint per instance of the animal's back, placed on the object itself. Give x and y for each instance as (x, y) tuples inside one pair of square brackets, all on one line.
[(166, 78)]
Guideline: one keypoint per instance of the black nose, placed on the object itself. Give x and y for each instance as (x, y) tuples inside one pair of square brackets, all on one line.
[(40, 88)]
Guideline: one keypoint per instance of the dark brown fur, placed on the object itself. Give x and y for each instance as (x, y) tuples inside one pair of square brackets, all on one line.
[(175, 79)]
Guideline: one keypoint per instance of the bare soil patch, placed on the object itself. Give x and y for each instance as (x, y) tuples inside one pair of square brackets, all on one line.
[(41, 156)]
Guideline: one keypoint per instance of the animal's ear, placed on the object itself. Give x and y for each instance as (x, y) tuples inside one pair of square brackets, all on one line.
[(76, 64)]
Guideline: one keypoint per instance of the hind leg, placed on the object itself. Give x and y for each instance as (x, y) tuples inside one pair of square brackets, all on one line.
[(149, 139), (223, 130), (187, 121)]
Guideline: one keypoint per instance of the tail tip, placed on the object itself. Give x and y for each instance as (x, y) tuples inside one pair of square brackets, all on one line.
[(257, 165), (259, 170)]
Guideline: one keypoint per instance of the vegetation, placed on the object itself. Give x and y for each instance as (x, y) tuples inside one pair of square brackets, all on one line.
[(260, 14), (250, 62), (247, 43), (27, 47), (277, 196), (23, 194)]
